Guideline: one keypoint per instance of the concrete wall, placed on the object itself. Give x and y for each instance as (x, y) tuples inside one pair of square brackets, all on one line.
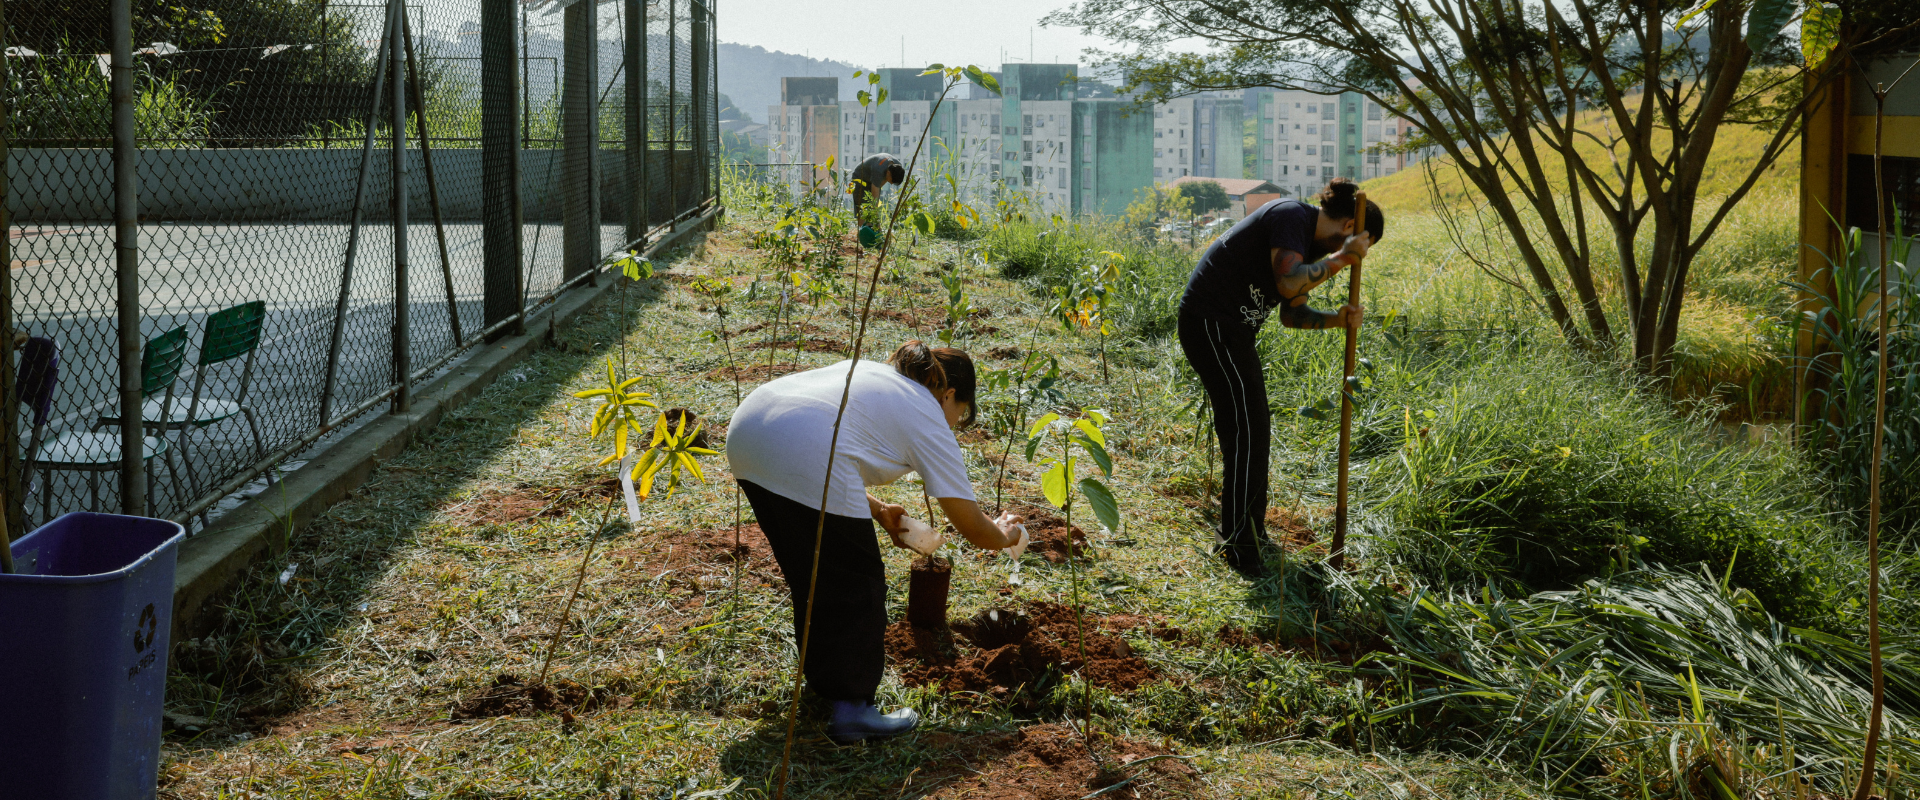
[(287, 185)]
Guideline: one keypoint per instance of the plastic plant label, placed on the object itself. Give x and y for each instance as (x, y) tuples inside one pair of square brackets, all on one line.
[(626, 488)]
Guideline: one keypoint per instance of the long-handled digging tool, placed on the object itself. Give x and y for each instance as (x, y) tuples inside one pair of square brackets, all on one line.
[(1337, 555)]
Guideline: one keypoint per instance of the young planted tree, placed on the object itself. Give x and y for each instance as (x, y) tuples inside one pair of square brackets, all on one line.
[(1060, 487), (1551, 111), (671, 451), (1029, 386)]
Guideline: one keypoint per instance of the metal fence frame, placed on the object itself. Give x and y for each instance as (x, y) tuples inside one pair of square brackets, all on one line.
[(668, 173)]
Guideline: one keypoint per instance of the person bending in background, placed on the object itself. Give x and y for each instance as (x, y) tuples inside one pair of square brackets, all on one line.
[(869, 177), (1265, 264), (899, 419)]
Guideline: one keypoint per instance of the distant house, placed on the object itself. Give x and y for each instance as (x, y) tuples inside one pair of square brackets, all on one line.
[(754, 132), (1244, 195)]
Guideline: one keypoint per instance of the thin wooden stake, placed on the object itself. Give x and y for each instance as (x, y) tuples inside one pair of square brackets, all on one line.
[(565, 611), (1338, 553)]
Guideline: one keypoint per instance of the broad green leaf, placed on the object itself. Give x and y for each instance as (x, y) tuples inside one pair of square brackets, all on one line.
[(883, 95), (1040, 425), (1092, 431), (863, 97), (1099, 454), (1098, 416), (1819, 33), (1765, 20), (1105, 507), (1053, 483)]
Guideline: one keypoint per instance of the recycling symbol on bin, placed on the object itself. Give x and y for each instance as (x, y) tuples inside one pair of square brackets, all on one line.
[(146, 630)]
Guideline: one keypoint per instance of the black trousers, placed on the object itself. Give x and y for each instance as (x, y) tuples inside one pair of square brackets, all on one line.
[(846, 655), (1229, 366)]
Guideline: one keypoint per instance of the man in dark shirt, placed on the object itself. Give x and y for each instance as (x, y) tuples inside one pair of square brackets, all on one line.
[(878, 170), (1268, 261)]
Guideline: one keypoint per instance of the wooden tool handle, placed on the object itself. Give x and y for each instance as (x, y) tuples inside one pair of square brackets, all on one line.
[(1337, 554)]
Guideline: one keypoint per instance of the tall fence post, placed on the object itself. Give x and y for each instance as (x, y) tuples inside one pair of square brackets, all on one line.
[(580, 116), (636, 119), (13, 500), (402, 346), (702, 105), (126, 225), (673, 108), (502, 217)]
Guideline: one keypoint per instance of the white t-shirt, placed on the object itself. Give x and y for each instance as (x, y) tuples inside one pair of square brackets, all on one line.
[(780, 435)]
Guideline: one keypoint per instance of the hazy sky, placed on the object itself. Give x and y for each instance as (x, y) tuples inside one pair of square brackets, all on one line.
[(870, 33)]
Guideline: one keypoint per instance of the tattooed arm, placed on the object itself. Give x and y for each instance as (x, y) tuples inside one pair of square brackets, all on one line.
[(1294, 277)]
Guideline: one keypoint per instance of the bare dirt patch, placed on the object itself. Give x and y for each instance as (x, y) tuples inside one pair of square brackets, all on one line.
[(754, 373), (811, 344), (1051, 762), (1290, 530), (1005, 352), (1009, 653), (509, 696)]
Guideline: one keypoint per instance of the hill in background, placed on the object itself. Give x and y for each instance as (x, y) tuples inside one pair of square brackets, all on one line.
[(1733, 156), (750, 76)]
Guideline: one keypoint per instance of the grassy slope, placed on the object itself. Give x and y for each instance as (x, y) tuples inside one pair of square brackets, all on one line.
[(421, 588), (1734, 154)]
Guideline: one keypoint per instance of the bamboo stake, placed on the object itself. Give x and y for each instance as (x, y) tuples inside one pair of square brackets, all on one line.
[(1883, 207), (1337, 554)]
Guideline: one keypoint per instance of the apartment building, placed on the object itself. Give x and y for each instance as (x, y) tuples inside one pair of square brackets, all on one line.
[(1034, 139), (1202, 136), (1306, 139), (804, 130)]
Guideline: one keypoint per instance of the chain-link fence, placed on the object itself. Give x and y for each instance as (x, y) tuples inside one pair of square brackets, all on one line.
[(284, 268)]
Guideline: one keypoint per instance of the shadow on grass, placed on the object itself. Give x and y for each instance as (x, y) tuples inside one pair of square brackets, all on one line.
[(245, 671)]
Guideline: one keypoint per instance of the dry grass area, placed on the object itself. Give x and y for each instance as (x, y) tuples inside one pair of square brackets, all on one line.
[(391, 652)]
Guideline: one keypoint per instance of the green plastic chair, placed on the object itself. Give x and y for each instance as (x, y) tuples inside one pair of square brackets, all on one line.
[(230, 333), (95, 451)]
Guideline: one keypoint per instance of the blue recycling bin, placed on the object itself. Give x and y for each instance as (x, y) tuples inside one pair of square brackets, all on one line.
[(84, 623)]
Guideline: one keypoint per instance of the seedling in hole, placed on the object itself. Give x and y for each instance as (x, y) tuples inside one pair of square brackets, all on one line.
[(1059, 486)]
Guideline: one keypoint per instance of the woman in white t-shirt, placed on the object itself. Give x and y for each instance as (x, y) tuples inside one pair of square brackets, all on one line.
[(899, 419)]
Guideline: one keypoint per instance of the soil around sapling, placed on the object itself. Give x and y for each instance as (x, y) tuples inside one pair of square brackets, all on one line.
[(1018, 653), (1048, 535)]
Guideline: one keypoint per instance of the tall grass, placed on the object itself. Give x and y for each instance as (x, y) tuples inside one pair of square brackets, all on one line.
[(1652, 684), (61, 99)]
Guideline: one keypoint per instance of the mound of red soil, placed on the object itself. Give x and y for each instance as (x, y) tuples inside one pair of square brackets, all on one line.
[(511, 697), (1051, 762), (1002, 652), (1049, 536), (1005, 352)]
